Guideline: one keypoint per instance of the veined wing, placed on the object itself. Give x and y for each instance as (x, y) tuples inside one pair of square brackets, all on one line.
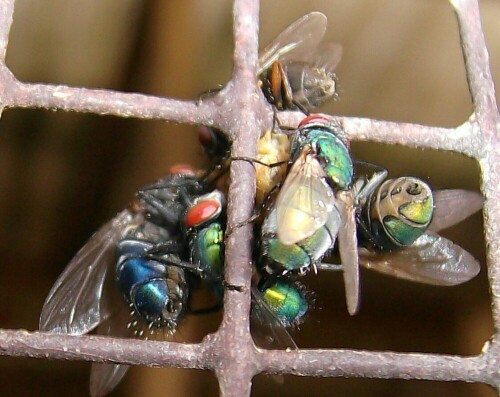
[(326, 56), (121, 323), (304, 201), (348, 249), (105, 377), (453, 206), (74, 305), (268, 330), (302, 35), (431, 259)]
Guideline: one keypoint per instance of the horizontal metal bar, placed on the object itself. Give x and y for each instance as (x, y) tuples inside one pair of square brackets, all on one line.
[(210, 355), (463, 139), (383, 365), (21, 343), (107, 102)]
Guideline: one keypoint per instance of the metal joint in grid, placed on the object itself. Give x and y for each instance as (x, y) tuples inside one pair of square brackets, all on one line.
[(241, 111)]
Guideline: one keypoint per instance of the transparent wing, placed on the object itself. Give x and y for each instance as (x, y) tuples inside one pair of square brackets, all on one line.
[(453, 206), (348, 249), (73, 305), (267, 329), (105, 377), (327, 56), (332, 226), (431, 259), (301, 35), (304, 201), (121, 323)]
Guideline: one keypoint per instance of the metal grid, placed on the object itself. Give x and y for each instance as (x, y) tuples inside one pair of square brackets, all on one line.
[(242, 112)]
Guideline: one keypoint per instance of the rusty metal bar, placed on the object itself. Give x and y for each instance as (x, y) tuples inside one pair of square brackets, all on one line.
[(238, 365), (462, 139), (106, 102), (6, 18), (477, 62), (241, 111), (486, 119), (382, 365), (102, 349)]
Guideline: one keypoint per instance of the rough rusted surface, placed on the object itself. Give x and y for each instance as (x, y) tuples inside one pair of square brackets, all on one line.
[(241, 111), (102, 349), (384, 365)]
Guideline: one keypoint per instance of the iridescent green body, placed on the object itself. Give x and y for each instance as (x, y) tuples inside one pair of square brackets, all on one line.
[(330, 146), (333, 156), (286, 302), (207, 249), (398, 213), (291, 257), (283, 258)]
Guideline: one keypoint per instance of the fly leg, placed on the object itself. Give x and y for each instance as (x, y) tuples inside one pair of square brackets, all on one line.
[(329, 266), (208, 94), (371, 184), (166, 247), (257, 212)]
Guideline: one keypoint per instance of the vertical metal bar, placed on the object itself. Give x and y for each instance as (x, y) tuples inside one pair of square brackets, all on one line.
[(237, 367), (487, 118), (6, 17), (477, 62)]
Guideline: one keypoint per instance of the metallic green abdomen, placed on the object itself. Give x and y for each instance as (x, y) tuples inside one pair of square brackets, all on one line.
[(291, 257), (400, 212), (286, 302)]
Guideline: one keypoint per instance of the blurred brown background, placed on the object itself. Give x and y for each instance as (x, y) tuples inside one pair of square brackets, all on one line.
[(62, 175)]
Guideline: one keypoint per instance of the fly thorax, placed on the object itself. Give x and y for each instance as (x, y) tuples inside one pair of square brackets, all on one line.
[(207, 249), (335, 159), (329, 142), (401, 209)]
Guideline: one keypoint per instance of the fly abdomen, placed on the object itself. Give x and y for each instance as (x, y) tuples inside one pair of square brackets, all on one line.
[(311, 86), (286, 302), (150, 298), (281, 257), (157, 292), (398, 213)]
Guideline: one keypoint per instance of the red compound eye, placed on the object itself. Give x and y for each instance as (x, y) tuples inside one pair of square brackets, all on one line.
[(201, 212), (313, 118), (183, 169)]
